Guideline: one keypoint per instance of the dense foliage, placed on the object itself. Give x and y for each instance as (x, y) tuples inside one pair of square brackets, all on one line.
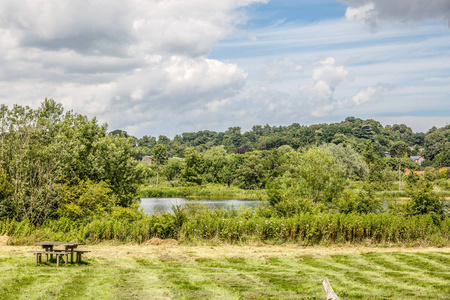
[(433, 145), (54, 164), (62, 176)]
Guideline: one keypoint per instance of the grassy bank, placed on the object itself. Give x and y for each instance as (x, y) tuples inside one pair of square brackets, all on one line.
[(155, 272), (216, 191), (404, 195), (196, 225), (209, 191)]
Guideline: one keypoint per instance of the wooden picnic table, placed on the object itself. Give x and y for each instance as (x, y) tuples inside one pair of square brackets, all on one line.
[(69, 248)]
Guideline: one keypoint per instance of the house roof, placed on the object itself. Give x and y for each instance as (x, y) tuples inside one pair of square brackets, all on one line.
[(417, 158)]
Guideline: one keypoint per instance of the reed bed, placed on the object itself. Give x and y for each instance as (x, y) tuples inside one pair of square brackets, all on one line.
[(199, 225)]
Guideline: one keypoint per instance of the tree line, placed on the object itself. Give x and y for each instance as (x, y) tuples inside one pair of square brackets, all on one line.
[(434, 145)]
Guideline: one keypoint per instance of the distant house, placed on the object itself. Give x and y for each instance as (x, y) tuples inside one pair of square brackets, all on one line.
[(387, 154), (417, 159), (408, 171), (147, 160)]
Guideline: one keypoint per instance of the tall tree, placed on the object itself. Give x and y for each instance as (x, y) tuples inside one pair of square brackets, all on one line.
[(193, 167)]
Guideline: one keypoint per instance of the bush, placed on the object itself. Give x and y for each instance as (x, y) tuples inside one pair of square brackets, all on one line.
[(363, 202), (85, 199), (424, 201)]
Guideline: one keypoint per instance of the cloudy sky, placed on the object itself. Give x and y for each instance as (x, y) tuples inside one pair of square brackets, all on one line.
[(155, 67)]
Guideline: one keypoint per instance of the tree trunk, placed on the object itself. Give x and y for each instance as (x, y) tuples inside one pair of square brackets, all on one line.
[(330, 294)]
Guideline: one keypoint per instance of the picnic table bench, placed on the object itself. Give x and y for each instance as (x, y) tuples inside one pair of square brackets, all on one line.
[(69, 250)]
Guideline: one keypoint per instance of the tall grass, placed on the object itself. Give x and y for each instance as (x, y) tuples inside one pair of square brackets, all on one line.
[(196, 223)]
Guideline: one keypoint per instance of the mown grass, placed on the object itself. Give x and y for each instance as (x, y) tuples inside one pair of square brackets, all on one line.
[(168, 273)]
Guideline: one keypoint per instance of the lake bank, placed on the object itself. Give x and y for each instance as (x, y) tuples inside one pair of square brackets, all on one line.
[(209, 191), (216, 191), (161, 205)]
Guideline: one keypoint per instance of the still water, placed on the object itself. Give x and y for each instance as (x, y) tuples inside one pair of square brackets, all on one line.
[(156, 205)]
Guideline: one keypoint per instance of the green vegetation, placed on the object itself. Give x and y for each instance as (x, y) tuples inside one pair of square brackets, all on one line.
[(198, 225), (211, 273), (63, 177), (213, 191), (55, 164)]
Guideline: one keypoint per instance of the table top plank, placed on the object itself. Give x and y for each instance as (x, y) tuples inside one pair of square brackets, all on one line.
[(52, 243)]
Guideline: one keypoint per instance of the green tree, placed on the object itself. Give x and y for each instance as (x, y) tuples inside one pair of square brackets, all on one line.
[(313, 174), (368, 154), (437, 142), (86, 199), (45, 148), (442, 159), (160, 158), (380, 175), (249, 175), (173, 169), (218, 166), (424, 201), (350, 159), (399, 150), (193, 167), (275, 163)]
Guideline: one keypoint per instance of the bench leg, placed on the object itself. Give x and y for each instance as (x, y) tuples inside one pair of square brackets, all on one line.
[(38, 258), (66, 259), (57, 260)]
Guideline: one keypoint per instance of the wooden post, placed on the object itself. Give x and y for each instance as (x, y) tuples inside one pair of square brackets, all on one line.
[(330, 294)]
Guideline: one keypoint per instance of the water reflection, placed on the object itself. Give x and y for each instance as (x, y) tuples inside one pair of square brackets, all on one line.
[(158, 205)]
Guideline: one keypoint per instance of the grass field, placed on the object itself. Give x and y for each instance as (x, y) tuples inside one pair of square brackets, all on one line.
[(229, 272)]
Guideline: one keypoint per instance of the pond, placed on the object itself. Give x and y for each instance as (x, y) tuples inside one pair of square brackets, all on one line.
[(157, 205)]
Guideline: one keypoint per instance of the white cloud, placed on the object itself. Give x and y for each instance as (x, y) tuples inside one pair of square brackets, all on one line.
[(327, 76), (122, 61), (281, 67), (364, 96), (329, 73), (362, 14), (166, 67), (321, 95), (216, 104), (374, 12)]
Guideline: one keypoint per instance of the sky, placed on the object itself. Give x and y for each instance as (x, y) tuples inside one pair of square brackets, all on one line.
[(165, 67)]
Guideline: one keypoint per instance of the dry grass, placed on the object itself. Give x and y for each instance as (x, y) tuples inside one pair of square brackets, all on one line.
[(131, 251), (4, 240)]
